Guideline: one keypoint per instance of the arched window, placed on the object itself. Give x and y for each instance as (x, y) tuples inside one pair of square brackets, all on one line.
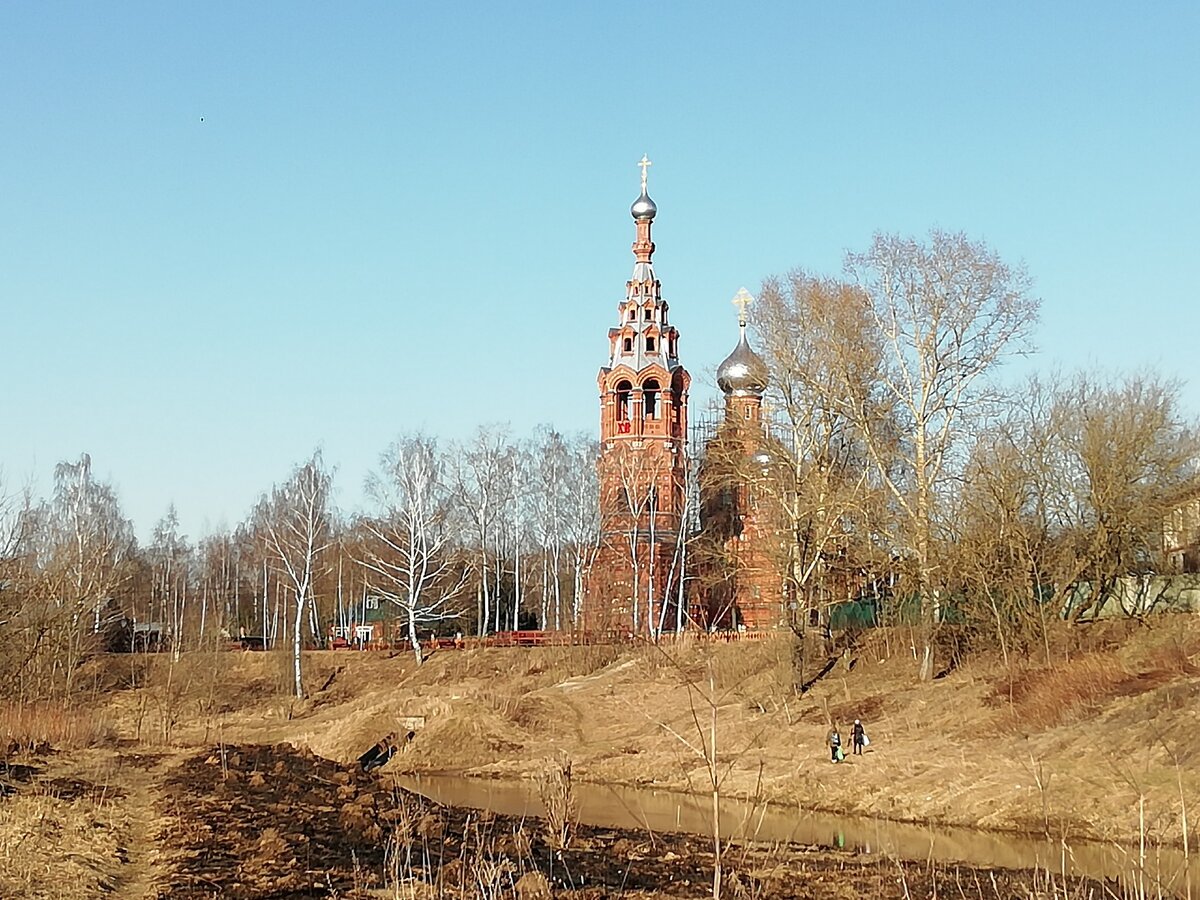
[(627, 345), (649, 345), (650, 398), (624, 389)]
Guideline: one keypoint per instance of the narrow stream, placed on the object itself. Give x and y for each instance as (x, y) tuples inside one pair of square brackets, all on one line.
[(657, 810)]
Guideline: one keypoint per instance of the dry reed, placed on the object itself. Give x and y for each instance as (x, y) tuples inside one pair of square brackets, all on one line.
[(1046, 697), (34, 725)]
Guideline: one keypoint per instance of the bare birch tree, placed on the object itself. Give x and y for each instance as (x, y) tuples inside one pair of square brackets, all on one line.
[(84, 546), (296, 522), (635, 521), (583, 518), (551, 502), (481, 483), (410, 560), (946, 313), (169, 556)]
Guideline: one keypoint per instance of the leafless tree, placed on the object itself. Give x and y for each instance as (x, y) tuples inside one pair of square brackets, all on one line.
[(516, 531), (410, 560), (820, 345), (79, 548), (20, 634), (997, 535), (551, 502), (221, 571), (169, 555), (296, 521), (1064, 496), (582, 521), (1120, 450), (482, 483), (946, 313)]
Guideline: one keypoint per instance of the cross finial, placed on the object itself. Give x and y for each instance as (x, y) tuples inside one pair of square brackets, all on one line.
[(741, 300), (645, 164)]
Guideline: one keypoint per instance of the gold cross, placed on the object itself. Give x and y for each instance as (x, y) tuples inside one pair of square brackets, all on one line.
[(741, 300), (645, 163)]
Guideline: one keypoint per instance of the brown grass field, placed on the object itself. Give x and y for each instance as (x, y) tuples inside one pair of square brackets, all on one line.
[(132, 792)]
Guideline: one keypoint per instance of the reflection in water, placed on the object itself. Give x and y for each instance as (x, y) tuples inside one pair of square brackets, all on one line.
[(654, 810)]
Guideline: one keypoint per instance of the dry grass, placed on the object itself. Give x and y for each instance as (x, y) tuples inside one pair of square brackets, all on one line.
[(1038, 698), (1041, 698), (561, 663), (50, 848), (25, 727), (503, 712), (1177, 652)]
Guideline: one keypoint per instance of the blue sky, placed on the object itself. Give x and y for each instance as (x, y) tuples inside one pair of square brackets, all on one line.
[(232, 232)]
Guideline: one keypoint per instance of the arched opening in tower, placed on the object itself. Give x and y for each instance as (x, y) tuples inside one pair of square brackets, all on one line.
[(650, 398), (624, 389)]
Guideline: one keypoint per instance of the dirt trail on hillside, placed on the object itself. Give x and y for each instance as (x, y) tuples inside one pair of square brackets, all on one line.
[(144, 870)]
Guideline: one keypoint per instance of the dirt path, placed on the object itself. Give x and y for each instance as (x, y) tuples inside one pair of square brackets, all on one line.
[(145, 868)]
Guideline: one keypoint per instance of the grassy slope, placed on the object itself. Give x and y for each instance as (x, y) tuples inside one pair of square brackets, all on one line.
[(1108, 733)]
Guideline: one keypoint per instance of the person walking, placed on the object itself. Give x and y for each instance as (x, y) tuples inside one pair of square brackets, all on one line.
[(834, 739), (858, 737)]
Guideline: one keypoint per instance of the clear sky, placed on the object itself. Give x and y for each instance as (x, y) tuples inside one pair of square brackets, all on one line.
[(232, 232)]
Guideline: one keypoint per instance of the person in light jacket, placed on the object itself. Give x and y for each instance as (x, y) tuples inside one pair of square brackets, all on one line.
[(834, 739)]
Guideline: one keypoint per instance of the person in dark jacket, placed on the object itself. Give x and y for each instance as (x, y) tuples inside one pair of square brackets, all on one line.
[(379, 755), (859, 737)]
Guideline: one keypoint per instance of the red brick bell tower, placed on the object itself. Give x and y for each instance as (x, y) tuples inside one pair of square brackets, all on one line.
[(634, 584)]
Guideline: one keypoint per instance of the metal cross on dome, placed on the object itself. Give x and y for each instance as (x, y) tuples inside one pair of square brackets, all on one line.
[(644, 164), (741, 300)]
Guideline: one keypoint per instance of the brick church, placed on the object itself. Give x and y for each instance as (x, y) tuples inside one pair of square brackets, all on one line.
[(672, 556)]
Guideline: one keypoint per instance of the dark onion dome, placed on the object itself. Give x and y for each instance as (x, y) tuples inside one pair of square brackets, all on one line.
[(743, 371), (643, 207)]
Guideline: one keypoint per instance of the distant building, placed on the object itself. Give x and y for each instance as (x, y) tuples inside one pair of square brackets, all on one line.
[(370, 620), (1181, 533)]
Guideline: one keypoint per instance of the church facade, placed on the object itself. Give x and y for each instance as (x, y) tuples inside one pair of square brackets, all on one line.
[(643, 580)]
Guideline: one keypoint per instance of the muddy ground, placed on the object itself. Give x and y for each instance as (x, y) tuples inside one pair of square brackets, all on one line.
[(274, 821)]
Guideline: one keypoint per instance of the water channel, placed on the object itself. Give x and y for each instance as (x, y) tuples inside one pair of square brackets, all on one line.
[(659, 810)]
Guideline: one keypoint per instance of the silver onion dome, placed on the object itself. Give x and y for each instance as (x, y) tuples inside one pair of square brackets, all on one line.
[(643, 207), (743, 371)]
